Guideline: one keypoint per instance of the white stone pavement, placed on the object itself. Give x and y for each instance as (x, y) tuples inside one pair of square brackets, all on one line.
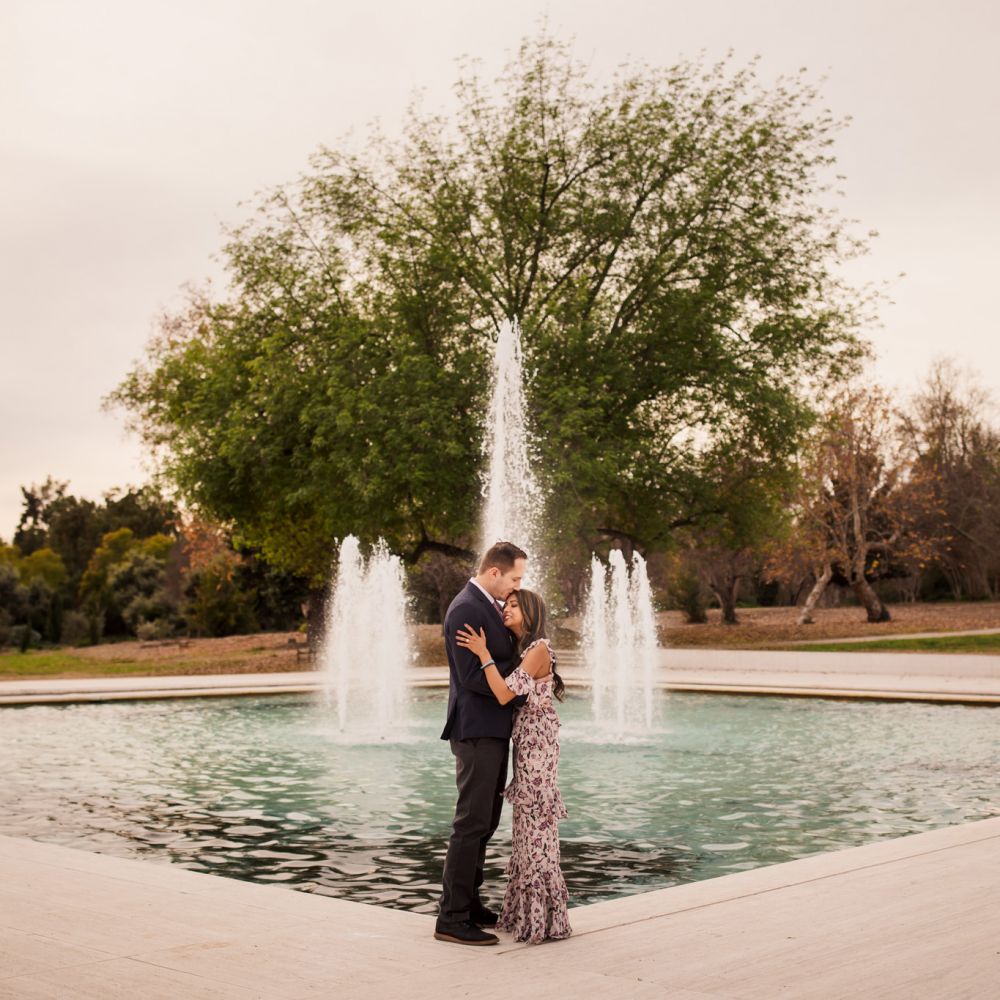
[(913, 918), (923, 676)]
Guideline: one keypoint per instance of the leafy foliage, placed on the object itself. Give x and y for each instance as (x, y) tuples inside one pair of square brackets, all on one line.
[(136, 586), (661, 241), (46, 565), (125, 577), (79, 582), (215, 604), (72, 527)]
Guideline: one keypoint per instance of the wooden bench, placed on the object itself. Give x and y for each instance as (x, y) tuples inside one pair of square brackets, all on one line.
[(303, 651)]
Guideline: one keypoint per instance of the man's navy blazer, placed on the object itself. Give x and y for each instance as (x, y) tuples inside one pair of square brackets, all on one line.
[(473, 709)]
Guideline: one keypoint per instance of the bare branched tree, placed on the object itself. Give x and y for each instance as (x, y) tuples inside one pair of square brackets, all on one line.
[(861, 500)]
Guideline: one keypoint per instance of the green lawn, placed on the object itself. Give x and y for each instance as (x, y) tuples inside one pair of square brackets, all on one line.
[(70, 662), (62, 663), (43, 663), (941, 644)]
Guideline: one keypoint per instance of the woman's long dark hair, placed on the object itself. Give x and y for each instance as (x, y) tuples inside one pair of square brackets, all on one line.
[(536, 622)]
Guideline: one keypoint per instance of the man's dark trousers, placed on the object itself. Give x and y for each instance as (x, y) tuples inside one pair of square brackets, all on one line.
[(480, 774)]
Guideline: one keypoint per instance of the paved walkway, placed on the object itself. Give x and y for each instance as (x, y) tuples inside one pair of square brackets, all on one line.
[(925, 677), (911, 918)]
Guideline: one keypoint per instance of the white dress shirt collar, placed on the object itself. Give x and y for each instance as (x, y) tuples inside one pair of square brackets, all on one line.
[(483, 590)]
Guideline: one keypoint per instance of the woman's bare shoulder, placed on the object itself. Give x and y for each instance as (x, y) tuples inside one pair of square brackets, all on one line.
[(537, 659)]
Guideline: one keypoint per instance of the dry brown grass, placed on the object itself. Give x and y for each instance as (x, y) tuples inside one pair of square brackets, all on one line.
[(234, 654), (761, 628)]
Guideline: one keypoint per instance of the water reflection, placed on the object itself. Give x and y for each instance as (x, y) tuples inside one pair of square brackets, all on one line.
[(263, 790)]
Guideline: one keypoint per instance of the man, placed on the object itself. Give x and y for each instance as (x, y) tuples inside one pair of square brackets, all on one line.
[(479, 728)]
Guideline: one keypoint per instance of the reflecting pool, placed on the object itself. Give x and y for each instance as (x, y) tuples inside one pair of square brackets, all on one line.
[(263, 789)]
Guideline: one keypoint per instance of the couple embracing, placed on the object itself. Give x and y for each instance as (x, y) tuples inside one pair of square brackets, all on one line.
[(501, 688)]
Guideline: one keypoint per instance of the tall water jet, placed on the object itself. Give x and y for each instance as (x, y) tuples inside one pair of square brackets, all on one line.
[(366, 646), (513, 499), (620, 644)]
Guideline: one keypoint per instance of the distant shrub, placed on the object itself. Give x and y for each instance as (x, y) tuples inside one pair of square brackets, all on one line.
[(24, 637), (214, 604), (160, 628), (688, 594), (75, 628)]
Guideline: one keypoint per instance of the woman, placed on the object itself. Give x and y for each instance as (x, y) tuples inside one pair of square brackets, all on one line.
[(535, 904)]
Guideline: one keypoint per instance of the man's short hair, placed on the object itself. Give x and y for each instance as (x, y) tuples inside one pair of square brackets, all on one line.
[(502, 555)]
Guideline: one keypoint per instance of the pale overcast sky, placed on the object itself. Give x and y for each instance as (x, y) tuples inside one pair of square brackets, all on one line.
[(132, 129)]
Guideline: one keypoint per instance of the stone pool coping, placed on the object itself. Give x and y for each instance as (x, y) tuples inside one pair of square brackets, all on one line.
[(913, 917), (935, 677)]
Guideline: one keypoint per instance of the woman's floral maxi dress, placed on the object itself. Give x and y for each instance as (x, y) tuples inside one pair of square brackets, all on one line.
[(535, 904)]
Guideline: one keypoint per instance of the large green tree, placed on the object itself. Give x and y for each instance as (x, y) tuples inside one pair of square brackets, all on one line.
[(664, 241)]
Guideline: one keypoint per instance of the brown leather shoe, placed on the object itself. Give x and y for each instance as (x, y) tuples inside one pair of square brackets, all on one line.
[(463, 932)]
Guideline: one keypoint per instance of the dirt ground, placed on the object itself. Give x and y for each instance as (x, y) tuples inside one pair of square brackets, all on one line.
[(263, 652), (258, 653), (758, 628), (761, 628)]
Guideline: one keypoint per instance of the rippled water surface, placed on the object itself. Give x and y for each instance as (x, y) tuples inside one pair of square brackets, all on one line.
[(263, 789)]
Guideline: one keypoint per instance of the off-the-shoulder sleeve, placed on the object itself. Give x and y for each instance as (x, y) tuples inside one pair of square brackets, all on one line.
[(548, 649), (519, 682), (545, 643)]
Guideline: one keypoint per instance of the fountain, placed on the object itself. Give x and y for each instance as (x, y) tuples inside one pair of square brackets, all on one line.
[(512, 496), (366, 645), (620, 644), (366, 651), (620, 630)]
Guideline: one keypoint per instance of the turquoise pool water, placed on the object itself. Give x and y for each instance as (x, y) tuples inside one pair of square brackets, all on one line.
[(264, 789)]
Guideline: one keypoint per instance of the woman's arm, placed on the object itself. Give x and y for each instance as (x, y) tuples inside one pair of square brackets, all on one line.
[(476, 643), (498, 685)]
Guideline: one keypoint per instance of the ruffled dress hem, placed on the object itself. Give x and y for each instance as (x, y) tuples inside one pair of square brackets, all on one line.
[(536, 910)]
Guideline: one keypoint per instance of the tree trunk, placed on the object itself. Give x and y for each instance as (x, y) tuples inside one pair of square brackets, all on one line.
[(877, 611), (726, 594), (315, 611), (625, 542), (822, 579), (954, 582)]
